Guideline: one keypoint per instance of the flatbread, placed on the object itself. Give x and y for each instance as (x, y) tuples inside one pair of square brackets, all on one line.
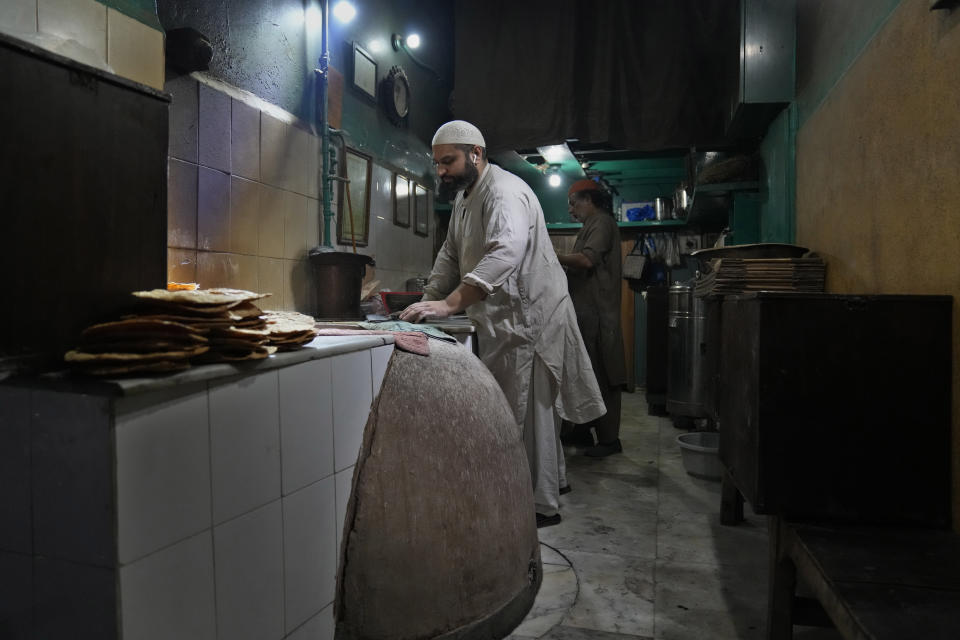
[(135, 346), (290, 325), (293, 337), (227, 319), (245, 310), (226, 344), (82, 357), (200, 297), (237, 355), (216, 333), (189, 310), (142, 327)]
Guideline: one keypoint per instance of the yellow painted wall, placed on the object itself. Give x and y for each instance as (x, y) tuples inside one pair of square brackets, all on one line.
[(878, 172)]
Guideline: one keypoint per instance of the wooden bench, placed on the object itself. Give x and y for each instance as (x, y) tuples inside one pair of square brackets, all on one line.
[(873, 582)]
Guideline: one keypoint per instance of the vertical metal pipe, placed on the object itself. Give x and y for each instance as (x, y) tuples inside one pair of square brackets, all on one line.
[(326, 187)]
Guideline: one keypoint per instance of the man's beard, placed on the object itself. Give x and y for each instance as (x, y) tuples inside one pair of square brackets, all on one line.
[(447, 190)]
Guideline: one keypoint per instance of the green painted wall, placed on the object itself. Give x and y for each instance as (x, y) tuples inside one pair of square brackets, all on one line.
[(637, 180), (777, 200), (366, 124)]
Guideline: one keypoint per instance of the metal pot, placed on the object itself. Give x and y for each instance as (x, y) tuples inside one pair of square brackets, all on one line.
[(416, 284), (663, 207), (681, 202)]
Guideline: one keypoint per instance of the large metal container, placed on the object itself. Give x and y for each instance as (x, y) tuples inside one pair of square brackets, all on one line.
[(338, 280), (687, 382)]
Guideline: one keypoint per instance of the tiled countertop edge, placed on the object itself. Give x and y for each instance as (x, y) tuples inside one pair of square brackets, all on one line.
[(320, 347)]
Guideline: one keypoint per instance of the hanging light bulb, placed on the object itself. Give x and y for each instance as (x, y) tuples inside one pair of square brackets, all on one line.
[(554, 179), (413, 40), (344, 11)]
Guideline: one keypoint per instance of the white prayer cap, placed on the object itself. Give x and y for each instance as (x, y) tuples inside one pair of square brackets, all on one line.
[(458, 132)]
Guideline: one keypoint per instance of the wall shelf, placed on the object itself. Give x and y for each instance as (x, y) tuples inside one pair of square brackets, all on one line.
[(644, 224), (720, 188), (712, 203)]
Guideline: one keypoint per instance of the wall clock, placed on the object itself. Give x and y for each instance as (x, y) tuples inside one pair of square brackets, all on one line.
[(395, 92)]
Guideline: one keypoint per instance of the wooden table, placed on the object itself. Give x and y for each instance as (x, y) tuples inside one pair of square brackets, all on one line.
[(874, 583)]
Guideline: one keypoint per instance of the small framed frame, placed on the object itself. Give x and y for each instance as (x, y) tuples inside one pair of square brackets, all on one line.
[(353, 223), (364, 73), (421, 207), (401, 200)]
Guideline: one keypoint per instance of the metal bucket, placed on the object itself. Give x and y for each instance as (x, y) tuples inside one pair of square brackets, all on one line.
[(338, 280), (686, 360)]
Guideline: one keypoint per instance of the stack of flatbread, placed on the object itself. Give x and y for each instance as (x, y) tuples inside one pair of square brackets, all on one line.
[(171, 329), (288, 330), (233, 324), (137, 345)]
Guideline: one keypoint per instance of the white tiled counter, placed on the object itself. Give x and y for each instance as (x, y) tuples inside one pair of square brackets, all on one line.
[(204, 505)]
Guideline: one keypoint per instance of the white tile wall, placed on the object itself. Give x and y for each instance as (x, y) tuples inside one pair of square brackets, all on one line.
[(273, 207), (163, 474), (248, 555), (300, 150), (344, 484), (244, 444), (189, 459), (245, 140), (134, 50), (170, 594), (84, 21), (379, 357), (319, 627), (310, 554), (18, 16), (352, 396), (306, 424), (295, 226), (275, 152)]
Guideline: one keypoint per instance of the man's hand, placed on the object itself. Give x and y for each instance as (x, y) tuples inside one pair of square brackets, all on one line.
[(431, 309)]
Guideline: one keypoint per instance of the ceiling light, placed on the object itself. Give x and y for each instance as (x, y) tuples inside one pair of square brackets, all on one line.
[(554, 179), (344, 11), (554, 154), (413, 40)]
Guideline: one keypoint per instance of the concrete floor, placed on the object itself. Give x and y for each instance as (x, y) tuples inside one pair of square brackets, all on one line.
[(641, 553)]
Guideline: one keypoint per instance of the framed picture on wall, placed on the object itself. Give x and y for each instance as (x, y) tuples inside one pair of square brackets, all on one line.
[(401, 200), (364, 76), (353, 223), (422, 211)]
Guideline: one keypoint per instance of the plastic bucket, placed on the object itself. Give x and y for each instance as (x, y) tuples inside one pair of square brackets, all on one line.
[(699, 450)]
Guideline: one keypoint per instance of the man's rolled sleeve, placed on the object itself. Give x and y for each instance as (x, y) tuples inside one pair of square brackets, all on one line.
[(507, 237)]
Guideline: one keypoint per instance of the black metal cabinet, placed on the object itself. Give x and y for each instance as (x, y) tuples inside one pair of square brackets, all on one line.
[(837, 407), (657, 351), (83, 195)]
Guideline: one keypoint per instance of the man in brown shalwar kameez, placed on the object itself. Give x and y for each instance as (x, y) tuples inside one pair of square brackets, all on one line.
[(593, 273)]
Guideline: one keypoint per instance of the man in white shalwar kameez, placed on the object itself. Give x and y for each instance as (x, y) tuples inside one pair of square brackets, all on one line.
[(498, 265)]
